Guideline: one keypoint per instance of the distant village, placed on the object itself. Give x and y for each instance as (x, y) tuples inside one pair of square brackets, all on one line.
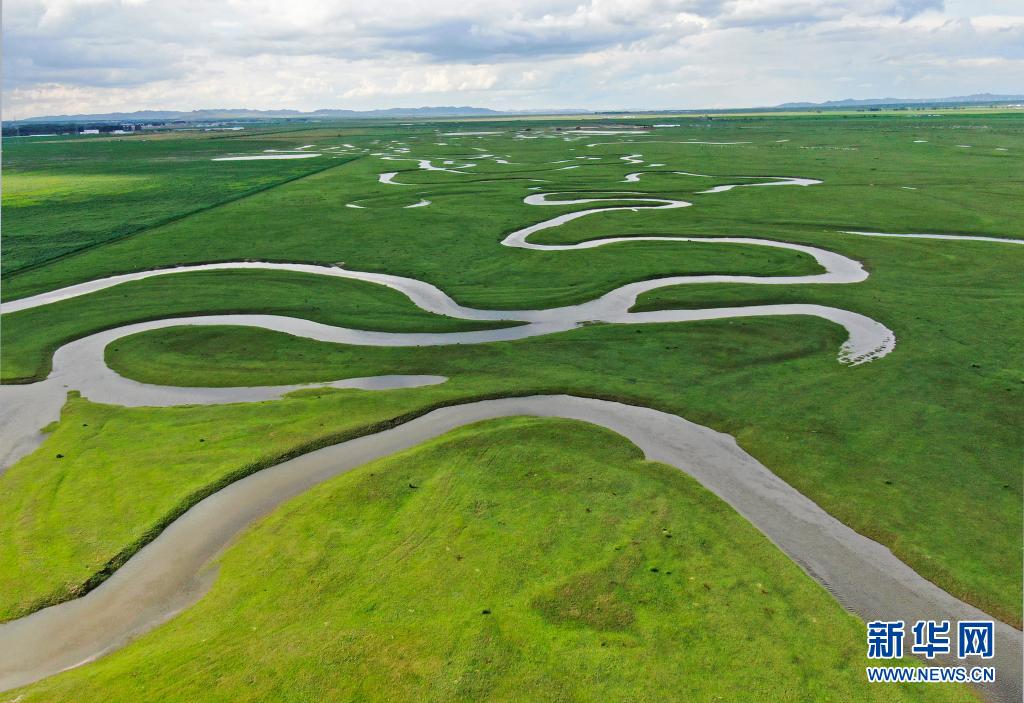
[(47, 129)]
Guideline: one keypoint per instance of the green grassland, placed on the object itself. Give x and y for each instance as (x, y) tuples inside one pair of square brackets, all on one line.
[(452, 243), (146, 466), (521, 559), (902, 449), (31, 336), (67, 195), (919, 450)]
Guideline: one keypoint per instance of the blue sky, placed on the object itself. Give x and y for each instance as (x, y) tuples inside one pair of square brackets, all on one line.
[(70, 56)]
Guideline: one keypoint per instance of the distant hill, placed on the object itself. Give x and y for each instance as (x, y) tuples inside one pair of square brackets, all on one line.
[(244, 114), (962, 99), (236, 114)]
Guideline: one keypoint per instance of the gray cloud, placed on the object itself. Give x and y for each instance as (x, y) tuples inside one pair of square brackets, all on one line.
[(461, 40), (97, 55)]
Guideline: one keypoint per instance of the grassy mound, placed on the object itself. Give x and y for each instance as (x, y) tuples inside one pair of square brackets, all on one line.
[(901, 449), (519, 559)]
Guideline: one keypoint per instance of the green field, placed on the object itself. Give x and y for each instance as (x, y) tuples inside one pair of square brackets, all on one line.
[(64, 196), (512, 560), (919, 450), (452, 244)]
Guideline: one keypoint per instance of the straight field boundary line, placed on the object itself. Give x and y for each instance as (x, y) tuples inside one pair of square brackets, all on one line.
[(173, 218)]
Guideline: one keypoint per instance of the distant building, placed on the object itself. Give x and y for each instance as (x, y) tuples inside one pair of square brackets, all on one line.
[(90, 131)]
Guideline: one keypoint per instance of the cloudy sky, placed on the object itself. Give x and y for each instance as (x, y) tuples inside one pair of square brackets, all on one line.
[(72, 56)]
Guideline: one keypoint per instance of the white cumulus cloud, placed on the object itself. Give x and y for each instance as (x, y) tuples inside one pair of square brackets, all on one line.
[(66, 56)]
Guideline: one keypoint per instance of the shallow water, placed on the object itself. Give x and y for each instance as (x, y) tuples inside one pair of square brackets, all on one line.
[(961, 237), (782, 181), (265, 157)]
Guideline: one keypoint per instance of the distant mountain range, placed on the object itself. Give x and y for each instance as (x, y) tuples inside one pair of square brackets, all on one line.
[(850, 102), (244, 114), (215, 115)]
